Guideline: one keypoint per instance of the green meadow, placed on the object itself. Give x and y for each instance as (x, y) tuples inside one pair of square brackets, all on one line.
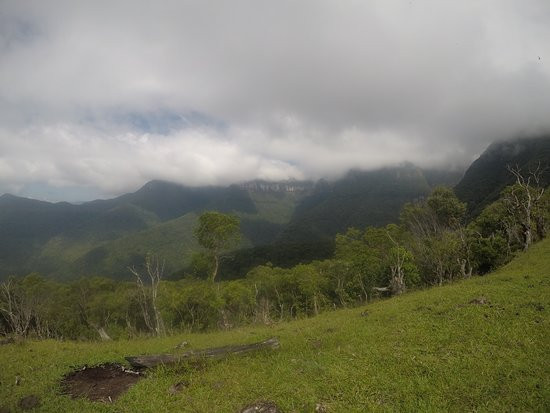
[(481, 344)]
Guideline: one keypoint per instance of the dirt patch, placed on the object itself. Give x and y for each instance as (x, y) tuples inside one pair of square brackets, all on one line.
[(103, 383)]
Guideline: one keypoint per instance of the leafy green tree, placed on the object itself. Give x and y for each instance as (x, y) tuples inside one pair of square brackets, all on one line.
[(374, 258), (191, 305), (542, 215), (492, 237), (239, 301), (439, 242), (489, 252), (358, 265), (201, 265), (449, 211), (398, 267), (217, 232), (102, 305), (311, 287), (264, 279)]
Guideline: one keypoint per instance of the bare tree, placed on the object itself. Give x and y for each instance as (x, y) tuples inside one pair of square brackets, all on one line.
[(149, 294), (17, 310), (397, 253), (523, 198), (465, 259)]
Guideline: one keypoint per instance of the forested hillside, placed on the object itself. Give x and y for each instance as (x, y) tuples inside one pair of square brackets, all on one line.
[(106, 236), (360, 199), (489, 174), (283, 222), (434, 244)]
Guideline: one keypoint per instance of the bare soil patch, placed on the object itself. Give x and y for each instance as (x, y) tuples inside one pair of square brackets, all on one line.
[(104, 383)]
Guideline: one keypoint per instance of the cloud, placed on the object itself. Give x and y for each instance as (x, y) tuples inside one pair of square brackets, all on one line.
[(111, 94)]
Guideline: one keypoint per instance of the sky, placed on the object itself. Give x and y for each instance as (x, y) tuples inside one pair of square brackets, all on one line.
[(99, 97)]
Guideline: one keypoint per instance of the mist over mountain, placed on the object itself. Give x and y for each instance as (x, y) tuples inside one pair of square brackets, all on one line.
[(283, 222), (97, 99), (361, 198), (489, 175)]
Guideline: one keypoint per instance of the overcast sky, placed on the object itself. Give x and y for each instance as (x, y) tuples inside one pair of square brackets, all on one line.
[(98, 97)]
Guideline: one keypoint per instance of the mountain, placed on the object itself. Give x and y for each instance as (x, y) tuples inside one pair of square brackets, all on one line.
[(485, 179), (105, 236), (283, 222), (360, 199)]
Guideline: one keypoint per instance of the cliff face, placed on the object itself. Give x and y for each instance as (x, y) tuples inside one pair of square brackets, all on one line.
[(279, 186)]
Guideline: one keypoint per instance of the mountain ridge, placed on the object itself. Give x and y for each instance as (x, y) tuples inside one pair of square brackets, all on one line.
[(276, 216), (488, 175)]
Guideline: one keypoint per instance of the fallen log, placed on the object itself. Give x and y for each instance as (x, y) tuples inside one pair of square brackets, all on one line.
[(148, 361)]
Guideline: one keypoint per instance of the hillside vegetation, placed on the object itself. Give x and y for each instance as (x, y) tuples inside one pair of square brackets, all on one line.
[(480, 344), (360, 199), (104, 237), (285, 223), (485, 179)]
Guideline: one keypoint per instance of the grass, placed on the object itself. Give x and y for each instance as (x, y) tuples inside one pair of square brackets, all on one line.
[(430, 350)]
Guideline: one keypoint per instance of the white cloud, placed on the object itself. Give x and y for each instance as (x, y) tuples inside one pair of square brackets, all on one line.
[(269, 89)]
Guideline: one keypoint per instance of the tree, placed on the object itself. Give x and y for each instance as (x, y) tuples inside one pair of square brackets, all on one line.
[(400, 261), (148, 296), (217, 232), (522, 201), (15, 306), (448, 210), (359, 266), (24, 304), (439, 242)]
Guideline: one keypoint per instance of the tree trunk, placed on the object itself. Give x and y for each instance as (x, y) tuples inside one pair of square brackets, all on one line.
[(315, 306), (101, 331), (527, 236), (216, 266)]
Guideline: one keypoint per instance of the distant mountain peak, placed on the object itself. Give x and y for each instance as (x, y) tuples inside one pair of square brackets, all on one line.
[(8, 196), (158, 183)]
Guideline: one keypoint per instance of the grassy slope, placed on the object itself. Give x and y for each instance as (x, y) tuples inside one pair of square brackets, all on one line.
[(427, 350)]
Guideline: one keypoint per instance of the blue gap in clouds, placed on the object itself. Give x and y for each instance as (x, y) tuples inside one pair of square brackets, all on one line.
[(163, 122)]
